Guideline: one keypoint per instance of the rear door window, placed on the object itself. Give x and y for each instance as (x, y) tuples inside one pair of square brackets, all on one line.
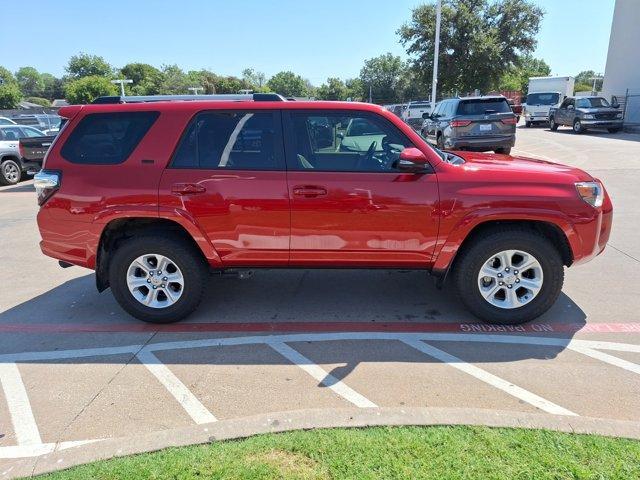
[(483, 106), (238, 140), (107, 138)]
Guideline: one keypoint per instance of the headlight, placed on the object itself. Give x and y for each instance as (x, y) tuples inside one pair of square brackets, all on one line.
[(588, 116), (591, 192), (618, 115)]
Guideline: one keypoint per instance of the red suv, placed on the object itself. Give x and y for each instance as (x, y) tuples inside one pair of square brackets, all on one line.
[(154, 194)]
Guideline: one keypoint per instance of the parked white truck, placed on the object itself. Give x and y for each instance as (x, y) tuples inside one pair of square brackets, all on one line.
[(544, 93)]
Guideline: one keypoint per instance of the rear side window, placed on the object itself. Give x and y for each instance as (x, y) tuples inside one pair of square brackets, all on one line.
[(483, 107), (107, 138), (238, 140)]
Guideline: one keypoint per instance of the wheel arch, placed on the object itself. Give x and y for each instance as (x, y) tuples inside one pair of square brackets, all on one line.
[(120, 229), (555, 233)]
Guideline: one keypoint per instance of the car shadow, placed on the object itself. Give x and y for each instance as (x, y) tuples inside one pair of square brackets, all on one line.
[(75, 316)]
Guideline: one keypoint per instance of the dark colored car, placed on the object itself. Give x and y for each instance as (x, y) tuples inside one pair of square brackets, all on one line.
[(155, 195), (13, 167), (472, 123), (581, 113)]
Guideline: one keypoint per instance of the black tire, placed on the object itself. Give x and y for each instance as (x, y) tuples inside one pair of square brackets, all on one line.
[(440, 142), (182, 253), (577, 126), (614, 130), (527, 124), (473, 257), (553, 126), (10, 172), (503, 150)]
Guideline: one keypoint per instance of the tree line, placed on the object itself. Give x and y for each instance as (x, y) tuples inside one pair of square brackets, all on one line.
[(484, 44)]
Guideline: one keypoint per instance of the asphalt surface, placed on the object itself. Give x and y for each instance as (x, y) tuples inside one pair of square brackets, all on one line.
[(80, 380)]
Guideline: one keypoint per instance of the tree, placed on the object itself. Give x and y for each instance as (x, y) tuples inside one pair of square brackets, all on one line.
[(386, 76), (147, 79), (84, 65), (175, 81), (355, 89), (288, 84), (9, 95), (6, 77), (87, 89), (52, 87), (480, 40), (255, 80), (518, 75), (584, 81), (30, 82), (333, 89)]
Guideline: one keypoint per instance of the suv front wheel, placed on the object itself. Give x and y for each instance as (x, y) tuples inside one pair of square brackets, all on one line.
[(509, 276), (157, 279)]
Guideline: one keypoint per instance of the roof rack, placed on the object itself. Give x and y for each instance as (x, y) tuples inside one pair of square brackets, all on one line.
[(256, 97)]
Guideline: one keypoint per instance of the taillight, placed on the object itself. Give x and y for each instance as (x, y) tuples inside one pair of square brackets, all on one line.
[(509, 121), (47, 182), (460, 123), (20, 150)]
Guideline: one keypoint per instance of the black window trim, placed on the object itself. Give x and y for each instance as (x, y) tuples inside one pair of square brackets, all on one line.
[(291, 148), (278, 143), (155, 113)]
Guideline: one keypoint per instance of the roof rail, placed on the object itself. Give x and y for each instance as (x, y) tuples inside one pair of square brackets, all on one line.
[(256, 97)]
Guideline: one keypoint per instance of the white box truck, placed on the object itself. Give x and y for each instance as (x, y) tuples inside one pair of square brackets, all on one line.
[(544, 93)]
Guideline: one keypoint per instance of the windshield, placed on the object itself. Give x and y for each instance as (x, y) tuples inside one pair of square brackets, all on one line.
[(543, 98), (482, 107), (360, 127), (594, 102)]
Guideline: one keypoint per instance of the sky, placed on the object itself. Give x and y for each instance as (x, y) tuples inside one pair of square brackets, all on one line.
[(316, 39)]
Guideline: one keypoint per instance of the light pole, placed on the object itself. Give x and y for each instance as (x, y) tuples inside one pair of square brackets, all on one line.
[(595, 78), (121, 82), (194, 90), (436, 51)]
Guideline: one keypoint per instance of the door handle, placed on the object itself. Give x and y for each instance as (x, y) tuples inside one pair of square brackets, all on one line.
[(187, 188), (309, 191)]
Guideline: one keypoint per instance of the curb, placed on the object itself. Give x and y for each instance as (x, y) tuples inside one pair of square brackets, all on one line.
[(312, 419)]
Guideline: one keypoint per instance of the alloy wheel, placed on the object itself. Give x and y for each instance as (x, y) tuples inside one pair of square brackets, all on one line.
[(510, 279), (155, 281)]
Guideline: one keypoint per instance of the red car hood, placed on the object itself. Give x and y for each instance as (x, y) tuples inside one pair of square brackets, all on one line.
[(489, 162)]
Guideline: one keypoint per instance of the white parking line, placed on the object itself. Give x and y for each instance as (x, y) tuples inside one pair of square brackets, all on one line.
[(489, 378), (24, 424), (322, 376), (610, 359), (196, 410)]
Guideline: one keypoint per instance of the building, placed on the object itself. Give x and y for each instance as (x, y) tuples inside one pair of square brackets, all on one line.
[(622, 73)]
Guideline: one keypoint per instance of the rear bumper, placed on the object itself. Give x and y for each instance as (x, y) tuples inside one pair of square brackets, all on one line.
[(483, 143)]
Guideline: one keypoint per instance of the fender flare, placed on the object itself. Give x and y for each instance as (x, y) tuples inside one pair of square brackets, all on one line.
[(445, 255)]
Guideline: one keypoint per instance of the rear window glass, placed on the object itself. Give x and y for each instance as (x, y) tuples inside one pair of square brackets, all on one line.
[(107, 138), (238, 140), (483, 107)]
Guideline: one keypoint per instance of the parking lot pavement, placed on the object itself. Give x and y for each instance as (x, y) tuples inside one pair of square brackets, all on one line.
[(287, 349)]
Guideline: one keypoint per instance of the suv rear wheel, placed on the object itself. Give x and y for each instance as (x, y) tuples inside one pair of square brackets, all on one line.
[(157, 279), (509, 276)]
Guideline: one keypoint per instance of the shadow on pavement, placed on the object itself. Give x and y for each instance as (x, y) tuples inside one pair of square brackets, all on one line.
[(75, 316)]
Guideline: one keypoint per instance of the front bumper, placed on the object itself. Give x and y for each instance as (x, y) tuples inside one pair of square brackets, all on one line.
[(602, 123), (536, 117)]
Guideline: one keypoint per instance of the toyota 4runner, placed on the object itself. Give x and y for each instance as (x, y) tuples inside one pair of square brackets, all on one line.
[(155, 194)]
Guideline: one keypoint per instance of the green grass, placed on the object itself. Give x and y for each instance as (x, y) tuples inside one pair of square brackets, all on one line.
[(384, 453)]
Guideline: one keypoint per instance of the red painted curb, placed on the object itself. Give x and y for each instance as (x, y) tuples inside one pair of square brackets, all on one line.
[(266, 327)]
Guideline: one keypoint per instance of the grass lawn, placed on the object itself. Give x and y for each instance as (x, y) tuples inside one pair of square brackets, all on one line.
[(384, 453)]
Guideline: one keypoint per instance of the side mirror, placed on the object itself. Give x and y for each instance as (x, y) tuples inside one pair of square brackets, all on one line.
[(569, 107), (426, 115), (412, 160), (615, 105), (340, 135)]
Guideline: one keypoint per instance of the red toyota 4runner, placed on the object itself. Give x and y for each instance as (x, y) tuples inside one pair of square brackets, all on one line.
[(154, 194)]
